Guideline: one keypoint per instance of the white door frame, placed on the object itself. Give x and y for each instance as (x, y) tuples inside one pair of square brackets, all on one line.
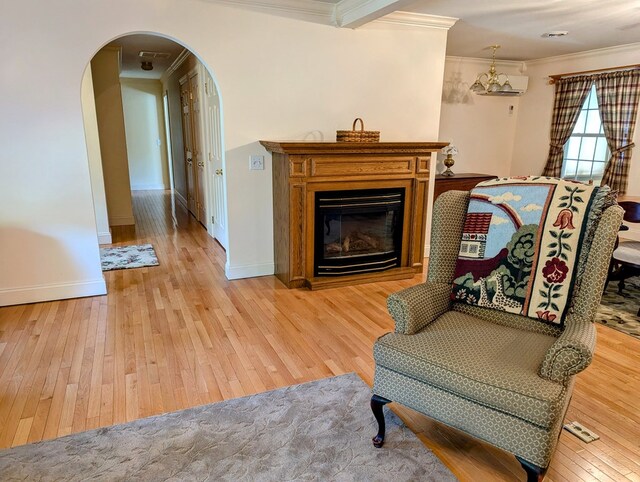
[(167, 136), (209, 168)]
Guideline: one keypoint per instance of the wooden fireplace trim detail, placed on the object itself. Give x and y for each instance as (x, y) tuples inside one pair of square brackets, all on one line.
[(301, 169)]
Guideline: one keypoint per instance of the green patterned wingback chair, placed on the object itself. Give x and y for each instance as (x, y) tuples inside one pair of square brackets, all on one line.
[(503, 378)]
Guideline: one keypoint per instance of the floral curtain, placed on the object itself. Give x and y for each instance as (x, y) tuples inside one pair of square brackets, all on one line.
[(570, 95), (618, 94)]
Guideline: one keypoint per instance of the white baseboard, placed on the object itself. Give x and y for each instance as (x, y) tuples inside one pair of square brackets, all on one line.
[(181, 199), (248, 271), (104, 238), (148, 187), (121, 220), (34, 294)]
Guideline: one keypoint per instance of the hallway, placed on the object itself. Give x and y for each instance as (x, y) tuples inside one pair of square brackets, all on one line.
[(154, 212), (180, 335)]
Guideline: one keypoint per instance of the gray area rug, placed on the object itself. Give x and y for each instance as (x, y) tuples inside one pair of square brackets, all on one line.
[(315, 431), (620, 311), (125, 257)]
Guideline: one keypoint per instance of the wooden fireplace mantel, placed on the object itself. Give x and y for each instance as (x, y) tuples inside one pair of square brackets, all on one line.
[(301, 169)]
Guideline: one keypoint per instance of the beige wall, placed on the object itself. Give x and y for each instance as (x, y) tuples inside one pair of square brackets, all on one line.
[(144, 126), (490, 139), (481, 127), (105, 67), (95, 158), (531, 145), (279, 78)]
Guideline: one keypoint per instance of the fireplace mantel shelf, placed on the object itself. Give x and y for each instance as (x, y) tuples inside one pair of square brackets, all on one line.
[(303, 169), (314, 147)]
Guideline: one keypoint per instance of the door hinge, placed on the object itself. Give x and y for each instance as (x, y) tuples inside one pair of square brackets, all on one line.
[(191, 95), (213, 220), (206, 88)]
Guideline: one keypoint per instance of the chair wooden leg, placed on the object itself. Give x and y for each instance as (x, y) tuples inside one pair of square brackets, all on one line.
[(609, 273), (377, 403), (621, 286), (534, 473)]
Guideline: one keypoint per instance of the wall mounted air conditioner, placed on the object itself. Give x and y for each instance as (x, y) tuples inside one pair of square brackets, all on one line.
[(519, 84)]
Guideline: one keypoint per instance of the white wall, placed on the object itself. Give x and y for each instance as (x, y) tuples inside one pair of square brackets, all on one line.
[(144, 126), (95, 159), (105, 70), (481, 127), (531, 145), (279, 78)]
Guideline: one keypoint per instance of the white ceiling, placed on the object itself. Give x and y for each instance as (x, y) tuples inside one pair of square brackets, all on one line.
[(518, 25), (132, 45)]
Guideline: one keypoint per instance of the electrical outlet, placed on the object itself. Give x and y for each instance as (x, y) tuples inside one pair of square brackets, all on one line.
[(582, 433), (256, 163)]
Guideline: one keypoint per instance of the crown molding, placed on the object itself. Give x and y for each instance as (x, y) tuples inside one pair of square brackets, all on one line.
[(356, 13), (521, 65), (184, 55), (307, 8), (419, 20), (616, 49), (335, 14)]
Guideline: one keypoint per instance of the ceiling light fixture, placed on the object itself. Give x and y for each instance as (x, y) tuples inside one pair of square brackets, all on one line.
[(491, 84), (146, 65)]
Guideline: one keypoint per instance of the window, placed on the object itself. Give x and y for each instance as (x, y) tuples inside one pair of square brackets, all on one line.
[(586, 152)]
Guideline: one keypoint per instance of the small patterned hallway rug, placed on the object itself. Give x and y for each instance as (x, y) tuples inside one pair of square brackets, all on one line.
[(620, 311), (125, 257), (315, 431)]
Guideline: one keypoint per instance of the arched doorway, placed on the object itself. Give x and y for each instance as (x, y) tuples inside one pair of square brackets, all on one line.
[(169, 135)]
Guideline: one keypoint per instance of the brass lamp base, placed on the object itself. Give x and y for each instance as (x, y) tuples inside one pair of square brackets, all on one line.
[(448, 162)]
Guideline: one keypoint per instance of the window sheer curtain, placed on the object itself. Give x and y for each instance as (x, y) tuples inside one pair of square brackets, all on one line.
[(570, 95), (618, 94)]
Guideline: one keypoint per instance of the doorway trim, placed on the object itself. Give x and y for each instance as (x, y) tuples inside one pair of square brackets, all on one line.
[(209, 195)]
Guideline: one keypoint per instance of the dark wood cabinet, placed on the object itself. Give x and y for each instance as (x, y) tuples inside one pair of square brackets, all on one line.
[(459, 182)]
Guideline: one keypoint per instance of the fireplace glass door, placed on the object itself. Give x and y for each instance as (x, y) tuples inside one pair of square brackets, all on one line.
[(358, 231)]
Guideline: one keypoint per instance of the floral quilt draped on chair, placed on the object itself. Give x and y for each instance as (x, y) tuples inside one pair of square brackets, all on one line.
[(521, 244)]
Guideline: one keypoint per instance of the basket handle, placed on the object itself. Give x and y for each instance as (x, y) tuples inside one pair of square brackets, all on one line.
[(353, 127)]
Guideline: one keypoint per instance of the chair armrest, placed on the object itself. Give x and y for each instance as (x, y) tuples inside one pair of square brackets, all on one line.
[(572, 352), (415, 307)]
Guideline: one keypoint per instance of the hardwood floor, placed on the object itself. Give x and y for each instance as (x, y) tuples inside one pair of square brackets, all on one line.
[(178, 335)]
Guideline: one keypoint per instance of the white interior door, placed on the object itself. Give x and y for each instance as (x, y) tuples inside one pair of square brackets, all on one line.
[(218, 221)]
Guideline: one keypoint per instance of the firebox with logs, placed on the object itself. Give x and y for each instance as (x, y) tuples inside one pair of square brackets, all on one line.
[(358, 231)]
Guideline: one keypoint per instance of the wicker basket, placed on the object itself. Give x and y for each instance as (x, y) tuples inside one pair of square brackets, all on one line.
[(358, 136)]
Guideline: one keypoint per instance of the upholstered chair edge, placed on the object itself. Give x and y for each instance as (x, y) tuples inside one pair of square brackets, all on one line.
[(414, 308), (573, 351)]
